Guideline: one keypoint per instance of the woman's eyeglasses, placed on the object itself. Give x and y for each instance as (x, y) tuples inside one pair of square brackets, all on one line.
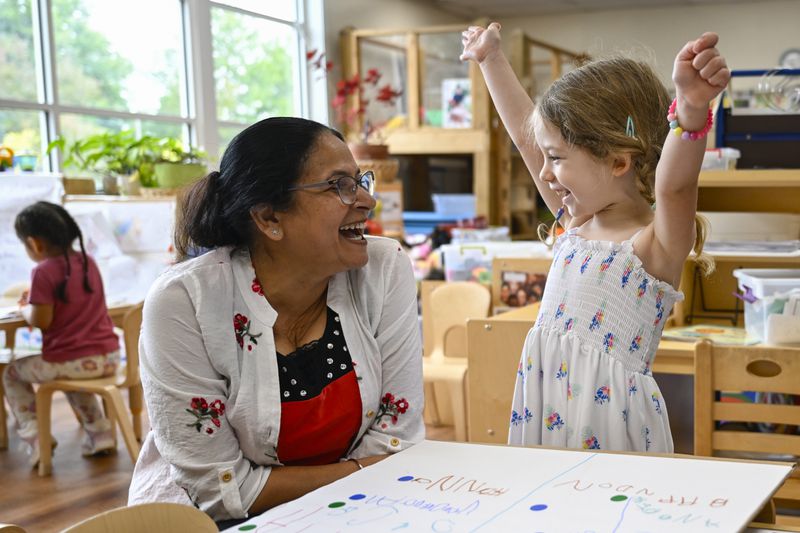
[(346, 186)]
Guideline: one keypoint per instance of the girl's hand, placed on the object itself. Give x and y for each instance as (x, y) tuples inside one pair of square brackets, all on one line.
[(700, 72), (480, 43)]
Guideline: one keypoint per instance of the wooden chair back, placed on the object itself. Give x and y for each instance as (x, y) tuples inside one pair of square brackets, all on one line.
[(161, 517), (132, 327), (764, 369), (452, 305)]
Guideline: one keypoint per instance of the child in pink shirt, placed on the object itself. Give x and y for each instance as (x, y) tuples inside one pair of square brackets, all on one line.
[(67, 302)]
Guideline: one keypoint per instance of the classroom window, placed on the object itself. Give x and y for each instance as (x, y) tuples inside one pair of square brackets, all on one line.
[(115, 65), (256, 66), (118, 55)]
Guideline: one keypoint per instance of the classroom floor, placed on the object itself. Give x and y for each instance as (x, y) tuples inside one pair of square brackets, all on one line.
[(79, 487)]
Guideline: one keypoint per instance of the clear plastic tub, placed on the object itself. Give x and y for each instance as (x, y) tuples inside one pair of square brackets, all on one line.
[(720, 158), (772, 304)]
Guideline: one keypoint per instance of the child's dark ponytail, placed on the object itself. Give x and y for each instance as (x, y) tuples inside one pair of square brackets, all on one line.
[(53, 224), (75, 232)]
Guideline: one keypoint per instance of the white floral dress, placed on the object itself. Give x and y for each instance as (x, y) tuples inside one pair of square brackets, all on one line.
[(584, 378)]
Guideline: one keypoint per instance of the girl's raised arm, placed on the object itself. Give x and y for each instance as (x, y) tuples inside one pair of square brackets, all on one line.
[(515, 107), (700, 74)]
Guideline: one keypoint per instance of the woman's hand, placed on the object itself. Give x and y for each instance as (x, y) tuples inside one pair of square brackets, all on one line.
[(480, 43), (700, 73)]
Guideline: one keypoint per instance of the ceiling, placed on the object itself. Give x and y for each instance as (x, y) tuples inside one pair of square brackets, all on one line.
[(508, 8)]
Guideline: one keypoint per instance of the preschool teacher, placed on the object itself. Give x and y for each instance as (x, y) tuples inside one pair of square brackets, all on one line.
[(288, 356)]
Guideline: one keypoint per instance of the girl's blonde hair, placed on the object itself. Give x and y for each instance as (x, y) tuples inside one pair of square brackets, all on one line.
[(616, 105)]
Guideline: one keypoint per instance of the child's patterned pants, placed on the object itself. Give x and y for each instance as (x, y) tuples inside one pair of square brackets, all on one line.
[(19, 375)]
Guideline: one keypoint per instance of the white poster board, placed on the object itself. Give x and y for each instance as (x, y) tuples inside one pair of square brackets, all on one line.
[(449, 487), (18, 191)]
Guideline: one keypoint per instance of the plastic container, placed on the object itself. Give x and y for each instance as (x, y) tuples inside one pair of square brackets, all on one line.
[(469, 235), (720, 158), (462, 205), (771, 304), (473, 261)]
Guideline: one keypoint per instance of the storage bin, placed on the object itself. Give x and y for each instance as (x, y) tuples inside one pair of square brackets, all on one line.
[(473, 261), (720, 158), (771, 303), (460, 205), (469, 235)]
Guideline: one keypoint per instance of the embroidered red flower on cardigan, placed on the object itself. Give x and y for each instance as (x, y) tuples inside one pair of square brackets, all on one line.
[(256, 286), (391, 408), (241, 326), (205, 413)]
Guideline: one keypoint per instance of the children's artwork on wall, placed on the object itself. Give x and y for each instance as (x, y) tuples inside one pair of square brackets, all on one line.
[(16, 193), (129, 240), (449, 487), (456, 103)]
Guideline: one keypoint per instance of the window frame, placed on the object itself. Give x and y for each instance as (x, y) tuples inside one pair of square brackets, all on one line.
[(198, 118)]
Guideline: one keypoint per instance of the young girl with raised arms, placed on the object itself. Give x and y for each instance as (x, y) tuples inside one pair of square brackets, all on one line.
[(595, 146), (66, 301)]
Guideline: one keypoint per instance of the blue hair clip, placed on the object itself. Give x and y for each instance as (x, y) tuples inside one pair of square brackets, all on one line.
[(630, 131), (559, 213)]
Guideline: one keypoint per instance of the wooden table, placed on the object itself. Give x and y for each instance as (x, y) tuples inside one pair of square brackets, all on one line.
[(10, 325)]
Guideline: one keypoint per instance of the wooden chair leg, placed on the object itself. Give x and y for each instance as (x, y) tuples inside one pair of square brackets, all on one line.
[(44, 401), (767, 513), (136, 401), (117, 404)]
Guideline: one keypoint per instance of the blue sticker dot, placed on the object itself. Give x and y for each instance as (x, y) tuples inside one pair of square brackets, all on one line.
[(358, 496), (405, 478), (538, 507)]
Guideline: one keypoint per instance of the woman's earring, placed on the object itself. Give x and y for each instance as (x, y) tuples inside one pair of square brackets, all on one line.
[(275, 231)]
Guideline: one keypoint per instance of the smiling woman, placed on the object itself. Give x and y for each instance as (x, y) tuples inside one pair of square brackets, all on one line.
[(271, 357)]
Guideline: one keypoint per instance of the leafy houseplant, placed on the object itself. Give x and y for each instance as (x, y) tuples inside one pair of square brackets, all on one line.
[(177, 166), (111, 155)]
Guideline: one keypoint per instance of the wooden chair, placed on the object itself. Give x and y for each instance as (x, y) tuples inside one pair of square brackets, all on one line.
[(161, 517), (748, 368), (108, 388), (451, 305), (10, 528)]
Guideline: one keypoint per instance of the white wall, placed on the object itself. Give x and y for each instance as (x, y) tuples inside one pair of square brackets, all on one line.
[(752, 35)]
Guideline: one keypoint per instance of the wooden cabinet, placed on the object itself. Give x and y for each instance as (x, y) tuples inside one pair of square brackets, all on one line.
[(419, 61), (710, 299)]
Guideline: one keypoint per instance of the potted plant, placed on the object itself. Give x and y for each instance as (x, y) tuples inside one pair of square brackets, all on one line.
[(366, 136), (116, 156), (177, 166)]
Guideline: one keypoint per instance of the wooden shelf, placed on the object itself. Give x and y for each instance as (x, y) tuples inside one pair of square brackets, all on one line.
[(428, 140), (751, 178)]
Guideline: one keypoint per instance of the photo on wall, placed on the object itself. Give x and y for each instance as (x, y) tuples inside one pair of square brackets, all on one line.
[(456, 103), (521, 288)]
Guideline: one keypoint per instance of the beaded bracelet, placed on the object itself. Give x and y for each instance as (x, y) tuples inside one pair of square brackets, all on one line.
[(672, 117)]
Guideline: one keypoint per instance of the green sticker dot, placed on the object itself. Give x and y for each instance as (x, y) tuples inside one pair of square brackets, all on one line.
[(248, 527), (334, 505), (619, 498)]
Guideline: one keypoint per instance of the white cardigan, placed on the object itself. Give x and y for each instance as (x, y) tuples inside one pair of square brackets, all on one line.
[(192, 365)]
